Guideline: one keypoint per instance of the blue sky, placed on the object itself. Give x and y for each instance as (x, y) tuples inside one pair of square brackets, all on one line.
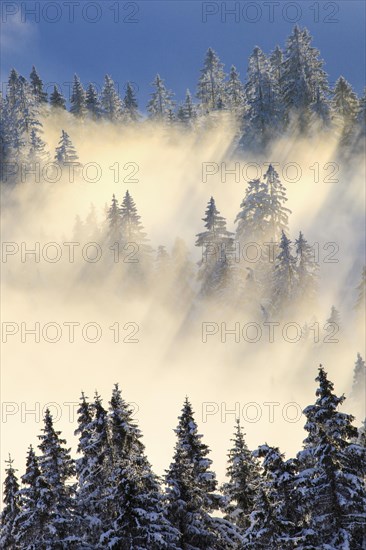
[(171, 37)]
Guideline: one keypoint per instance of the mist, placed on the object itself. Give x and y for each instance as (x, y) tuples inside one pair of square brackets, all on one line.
[(161, 355)]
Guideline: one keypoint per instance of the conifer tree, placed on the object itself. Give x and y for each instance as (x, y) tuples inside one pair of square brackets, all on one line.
[(216, 244), (12, 508), (303, 80), (161, 104), (111, 102), (57, 100), (361, 293), (114, 222), (131, 112), (241, 489), (262, 117), (284, 277), (92, 103), (132, 229), (306, 269), (37, 87), (190, 491), (78, 99), (211, 84), (345, 109), (334, 318), (359, 380), (333, 491), (57, 469), (65, 151), (234, 92), (35, 525)]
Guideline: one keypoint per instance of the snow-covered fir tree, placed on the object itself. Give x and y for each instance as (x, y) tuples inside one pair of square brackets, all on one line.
[(65, 151), (57, 99), (262, 120), (211, 84), (161, 103), (92, 102), (34, 526), (345, 107), (111, 102), (37, 147), (138, 520), (114, 221), (330, 481), (130, 105), (234, 92), (37, 87), (216, 244), (78, 99), (303, 80), (243, 481), (187, 112), (58, 469), (11, 510), (190, 496)]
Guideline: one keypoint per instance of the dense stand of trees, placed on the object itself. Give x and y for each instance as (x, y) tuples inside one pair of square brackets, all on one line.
[(285, 90), (109, 496)]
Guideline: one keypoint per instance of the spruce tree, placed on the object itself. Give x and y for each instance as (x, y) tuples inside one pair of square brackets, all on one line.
[(330, 480), (234, 92), (132, 228), (58, 469), (35, 525), (241, 489), (112, 107), (334, 318), (92, 103), (12, 508), (284, 277), (78, 99), (190, 491), (345, 107), (216, 244), (57, 100), (303, 80), (262, 117), (307, 270), (211, 84), (361, 293), (130, 110), (37, 87), (161, 104), (65, 151), (358, 391)]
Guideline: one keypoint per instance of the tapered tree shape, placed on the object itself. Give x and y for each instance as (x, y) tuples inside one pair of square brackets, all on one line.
[(130, 106), (57, 100), (114, 231), (284, 277), (161, 104), (12, 508), (332, 489), (234, 92), (57, 469), (78, 99), (303, 81), (261, 121), (190, 491), (278, 214), (65, 151), (358, 392), (34, 527), (37, 87), (345, 108), (133, 236), (216, 244), (187, 112), (307, 271), (93, 470), (111, 102), (92, 103), (243, 474), (211, 85), (137, 506)]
